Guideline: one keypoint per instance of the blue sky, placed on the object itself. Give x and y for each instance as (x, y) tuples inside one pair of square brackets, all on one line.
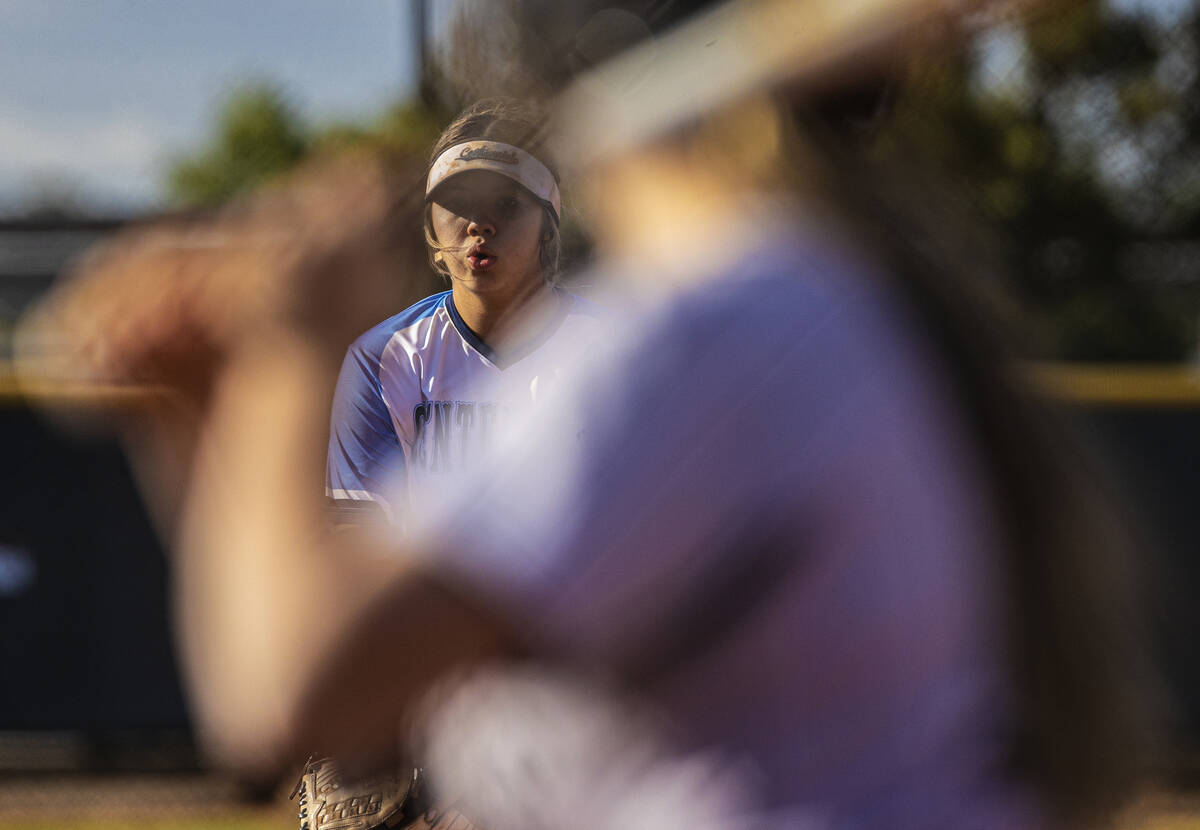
[(97, 95)]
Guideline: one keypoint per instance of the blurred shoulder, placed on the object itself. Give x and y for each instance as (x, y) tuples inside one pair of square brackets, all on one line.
[(579, 304)]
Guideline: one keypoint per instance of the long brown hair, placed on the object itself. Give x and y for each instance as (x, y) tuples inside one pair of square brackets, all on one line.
[(1076, 641)]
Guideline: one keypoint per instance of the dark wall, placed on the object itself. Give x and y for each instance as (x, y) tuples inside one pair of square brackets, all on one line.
[(1156, 454), (84, 633), (86, 643)]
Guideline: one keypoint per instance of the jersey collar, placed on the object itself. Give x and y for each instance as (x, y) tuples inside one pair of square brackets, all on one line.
[(511, 356)]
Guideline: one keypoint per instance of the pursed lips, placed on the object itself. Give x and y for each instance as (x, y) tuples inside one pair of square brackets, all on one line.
[(480, 258)]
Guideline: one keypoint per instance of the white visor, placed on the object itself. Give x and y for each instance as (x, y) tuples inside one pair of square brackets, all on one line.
[(505, 159)]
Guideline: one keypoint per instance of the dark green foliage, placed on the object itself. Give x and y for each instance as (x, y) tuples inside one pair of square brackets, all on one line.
[(258, 136), (405, 128), (1086, 155)]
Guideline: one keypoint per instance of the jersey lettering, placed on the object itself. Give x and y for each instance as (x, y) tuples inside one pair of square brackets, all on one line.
[(464, 420), (421, 414), (441, 423), (448, 433)]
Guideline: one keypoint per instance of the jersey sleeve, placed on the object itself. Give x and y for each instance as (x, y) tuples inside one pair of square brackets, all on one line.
[(365, 460)]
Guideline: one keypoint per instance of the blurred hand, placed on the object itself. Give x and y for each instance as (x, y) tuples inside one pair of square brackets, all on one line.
[(152, 320), (319, 258)]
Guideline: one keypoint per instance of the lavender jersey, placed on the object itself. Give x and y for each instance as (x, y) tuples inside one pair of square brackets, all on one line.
[(420, 394), (764, 506)]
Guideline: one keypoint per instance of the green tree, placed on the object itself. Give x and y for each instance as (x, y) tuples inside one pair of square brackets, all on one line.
[(258, 136), (405, 128), (1077, 134)]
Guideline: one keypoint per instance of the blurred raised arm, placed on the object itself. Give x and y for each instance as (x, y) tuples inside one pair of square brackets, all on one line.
[(292, 639)]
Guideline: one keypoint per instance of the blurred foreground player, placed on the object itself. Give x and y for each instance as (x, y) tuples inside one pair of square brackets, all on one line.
[(797, 508), (415, 398)]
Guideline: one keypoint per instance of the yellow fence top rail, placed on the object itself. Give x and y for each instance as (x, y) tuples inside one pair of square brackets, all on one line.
[(1088, 384), (15, 390), (1123, 385)]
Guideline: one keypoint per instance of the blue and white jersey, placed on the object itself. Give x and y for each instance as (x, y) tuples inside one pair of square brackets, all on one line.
[(420, 395)]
